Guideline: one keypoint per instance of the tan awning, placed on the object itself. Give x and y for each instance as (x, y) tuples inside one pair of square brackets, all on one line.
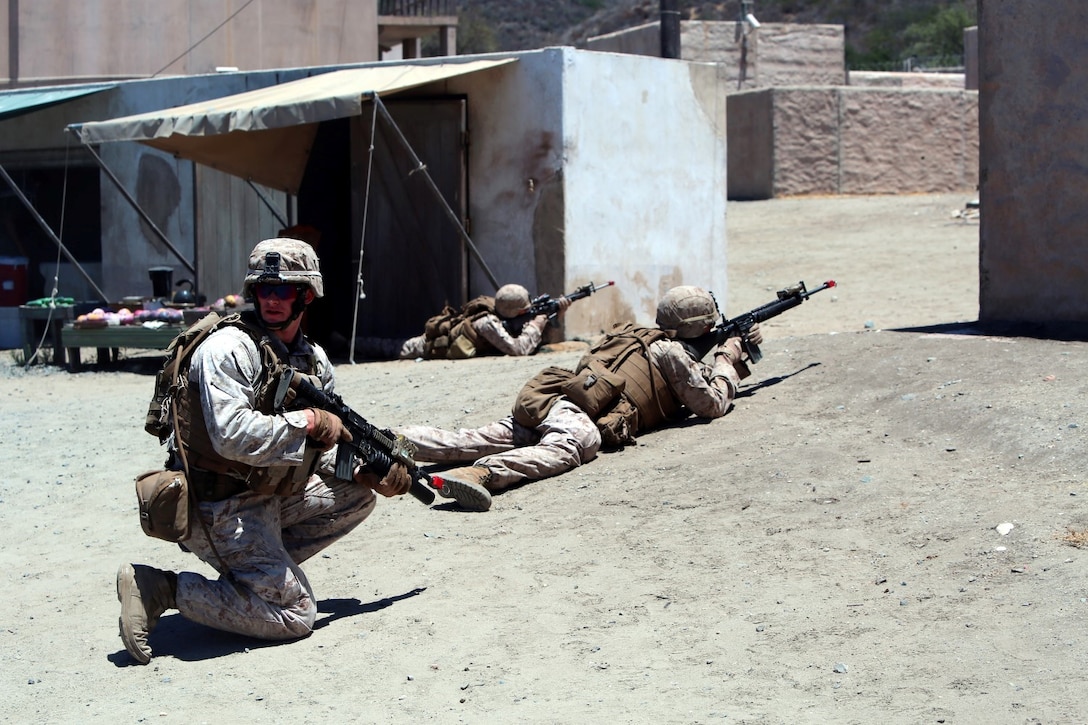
[(266, 135)]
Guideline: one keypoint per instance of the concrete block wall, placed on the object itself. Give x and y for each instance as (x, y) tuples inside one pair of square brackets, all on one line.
[(886, 79), (1033, 133), (800, 55), (778, 53), (843, 140)]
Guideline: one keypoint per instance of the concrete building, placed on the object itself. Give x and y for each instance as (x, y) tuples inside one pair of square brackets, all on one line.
[(47, 42), (564, 166), (1033, 261)]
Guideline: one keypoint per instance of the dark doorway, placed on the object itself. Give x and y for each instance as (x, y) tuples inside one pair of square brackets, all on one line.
[(57, 193), (414, 260), (324, 203)]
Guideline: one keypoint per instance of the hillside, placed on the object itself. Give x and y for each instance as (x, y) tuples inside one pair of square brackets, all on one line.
[(876, 29)]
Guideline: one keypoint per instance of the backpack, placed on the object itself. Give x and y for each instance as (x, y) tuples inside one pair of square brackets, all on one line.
[(168, 381), (610, 383), (444, 330)]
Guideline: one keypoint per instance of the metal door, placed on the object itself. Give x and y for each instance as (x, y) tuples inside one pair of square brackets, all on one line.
[(413, 258)]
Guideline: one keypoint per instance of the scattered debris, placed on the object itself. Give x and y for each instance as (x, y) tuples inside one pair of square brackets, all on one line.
[(1076, 537)]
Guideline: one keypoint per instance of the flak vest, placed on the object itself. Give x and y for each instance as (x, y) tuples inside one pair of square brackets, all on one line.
[(232, 476), (451, 334), (616, 384), (646, 400)]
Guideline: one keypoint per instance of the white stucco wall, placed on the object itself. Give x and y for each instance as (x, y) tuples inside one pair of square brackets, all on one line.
[(645, 172), (515, 159), (588, 166)]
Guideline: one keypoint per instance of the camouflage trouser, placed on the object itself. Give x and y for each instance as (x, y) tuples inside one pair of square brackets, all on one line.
[(565, 439), (263, 539), (390, 348)]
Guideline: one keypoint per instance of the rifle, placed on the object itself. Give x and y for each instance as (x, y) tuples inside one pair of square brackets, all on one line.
[(739, 326), (545, 305), (378, 449)]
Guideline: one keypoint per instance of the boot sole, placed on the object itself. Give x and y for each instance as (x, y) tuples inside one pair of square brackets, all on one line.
[(468, 496), (126, 581)]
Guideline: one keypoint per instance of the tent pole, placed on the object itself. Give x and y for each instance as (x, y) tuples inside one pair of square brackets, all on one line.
[(359, 292), (437, 192), (128, 197), (52, 235)]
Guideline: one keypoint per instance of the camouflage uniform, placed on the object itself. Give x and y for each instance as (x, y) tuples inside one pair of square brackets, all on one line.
[(262, 538), (262, 476), (568, 437), (490, 327)]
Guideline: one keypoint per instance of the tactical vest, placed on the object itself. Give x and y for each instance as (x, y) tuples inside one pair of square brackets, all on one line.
[(450, 334), (646, 400), (193, 428)]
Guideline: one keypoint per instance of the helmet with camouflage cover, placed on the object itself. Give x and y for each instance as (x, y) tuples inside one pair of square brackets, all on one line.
[(283, 261), (511, 300), (690, 311)]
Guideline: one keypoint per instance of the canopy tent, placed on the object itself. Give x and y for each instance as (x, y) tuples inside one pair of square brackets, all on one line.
[(16, 103), (265, 135)]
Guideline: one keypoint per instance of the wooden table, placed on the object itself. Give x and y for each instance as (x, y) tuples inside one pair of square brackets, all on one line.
[(29, 315), (108, 340)]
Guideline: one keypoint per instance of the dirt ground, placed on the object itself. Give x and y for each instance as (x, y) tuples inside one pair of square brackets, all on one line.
[(885, 527)]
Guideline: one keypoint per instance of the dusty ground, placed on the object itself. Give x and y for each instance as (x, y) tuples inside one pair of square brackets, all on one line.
[(827, 552)]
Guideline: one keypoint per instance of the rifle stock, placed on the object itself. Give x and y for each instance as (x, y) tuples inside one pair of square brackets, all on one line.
[(378, 449), (740, 325)]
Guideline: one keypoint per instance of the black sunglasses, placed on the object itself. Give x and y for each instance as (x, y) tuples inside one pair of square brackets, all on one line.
[(280, 291)]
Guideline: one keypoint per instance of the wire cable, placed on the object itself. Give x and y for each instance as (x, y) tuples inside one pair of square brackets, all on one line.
[(210, 33), (56, 269)]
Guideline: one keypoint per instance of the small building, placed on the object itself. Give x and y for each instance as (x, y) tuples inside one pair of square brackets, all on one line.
[(550, 168)]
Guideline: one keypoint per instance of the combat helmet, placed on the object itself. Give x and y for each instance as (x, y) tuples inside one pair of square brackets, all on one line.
[(688, 310), (511, 300), (283, 261)]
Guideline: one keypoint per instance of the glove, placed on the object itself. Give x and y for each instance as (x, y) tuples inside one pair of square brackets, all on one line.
[(730, 349), (394, 483), (755, 335), (327, 430)]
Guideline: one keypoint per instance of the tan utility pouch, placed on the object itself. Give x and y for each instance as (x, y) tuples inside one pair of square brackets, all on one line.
[(462, 341), (593, 388), (539, 394), (462, 349), (165, 505)]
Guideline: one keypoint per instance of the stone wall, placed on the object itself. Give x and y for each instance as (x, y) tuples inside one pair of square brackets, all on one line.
[(777, 53), (791, 141), (885, 79)]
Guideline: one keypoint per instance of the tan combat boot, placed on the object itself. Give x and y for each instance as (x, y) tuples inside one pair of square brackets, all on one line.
[(144, 593), (467, 486)]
